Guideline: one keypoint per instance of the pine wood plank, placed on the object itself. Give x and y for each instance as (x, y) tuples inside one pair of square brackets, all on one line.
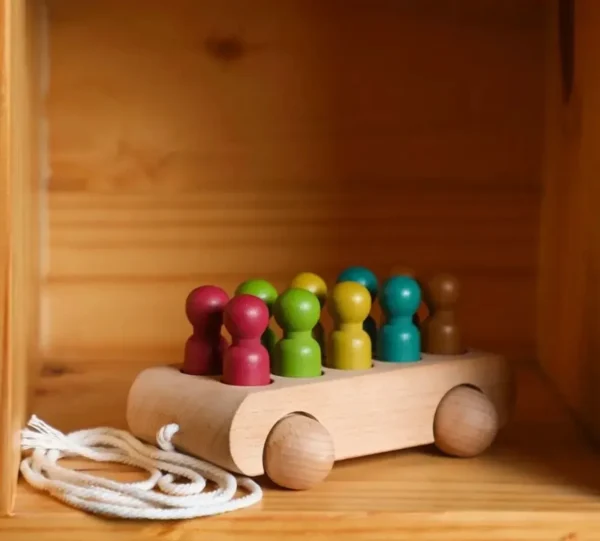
[(20, 96)]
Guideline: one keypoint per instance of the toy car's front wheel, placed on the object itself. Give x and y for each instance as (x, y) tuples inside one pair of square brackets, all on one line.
[(465, 423), (298, 452)]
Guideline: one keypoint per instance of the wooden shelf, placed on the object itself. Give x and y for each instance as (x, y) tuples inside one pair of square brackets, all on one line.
[(541, 481), (342, 129)]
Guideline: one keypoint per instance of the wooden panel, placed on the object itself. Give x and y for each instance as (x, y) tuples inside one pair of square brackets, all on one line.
[(569, 299), (19, 187), (7, 380), (212, 141)]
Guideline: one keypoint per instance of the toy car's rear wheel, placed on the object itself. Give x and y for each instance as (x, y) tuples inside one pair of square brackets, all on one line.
[(298, 452), (465, 423)]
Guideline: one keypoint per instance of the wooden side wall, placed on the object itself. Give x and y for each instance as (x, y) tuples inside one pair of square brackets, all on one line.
[(218, 140), (20, 134), (569, 295)]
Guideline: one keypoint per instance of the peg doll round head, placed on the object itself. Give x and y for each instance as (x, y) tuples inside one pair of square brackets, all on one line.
[(362, 276), (246, 317), (400, 297), (442, 291), (204, 306), (259, 288), (313, 283), (297, 310), (349, 302)]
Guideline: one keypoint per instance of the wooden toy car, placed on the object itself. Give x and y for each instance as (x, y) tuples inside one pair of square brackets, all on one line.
[(294, 429)]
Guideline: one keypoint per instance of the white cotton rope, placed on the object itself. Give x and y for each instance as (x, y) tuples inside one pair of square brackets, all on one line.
[(138, 500)]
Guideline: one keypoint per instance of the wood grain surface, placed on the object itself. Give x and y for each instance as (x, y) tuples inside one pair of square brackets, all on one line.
[(20, 125), (569, 284), (6, 377), (216, 141), (539, 482)]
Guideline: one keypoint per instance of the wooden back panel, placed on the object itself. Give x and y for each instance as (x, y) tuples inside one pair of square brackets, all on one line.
[(215, 141)]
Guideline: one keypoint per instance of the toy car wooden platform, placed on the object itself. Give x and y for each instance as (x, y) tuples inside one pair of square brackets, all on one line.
[(294, 429)]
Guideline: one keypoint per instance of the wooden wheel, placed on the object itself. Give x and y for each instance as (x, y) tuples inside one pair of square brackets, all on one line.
[(298, 453), (465, 423)]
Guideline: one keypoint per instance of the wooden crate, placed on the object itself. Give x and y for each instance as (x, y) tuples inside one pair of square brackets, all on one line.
[(148, 147)]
